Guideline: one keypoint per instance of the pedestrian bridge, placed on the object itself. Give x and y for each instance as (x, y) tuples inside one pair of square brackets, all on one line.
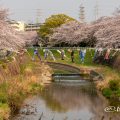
[(75, 74), (65, 67)]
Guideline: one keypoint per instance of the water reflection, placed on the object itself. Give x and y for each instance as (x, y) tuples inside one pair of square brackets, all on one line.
[(69, 102)]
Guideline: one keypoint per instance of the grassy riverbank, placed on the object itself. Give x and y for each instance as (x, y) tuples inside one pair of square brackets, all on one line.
[(111, 76), (19, 79)]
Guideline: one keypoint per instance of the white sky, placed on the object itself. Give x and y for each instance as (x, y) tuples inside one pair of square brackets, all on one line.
[(25, 10)]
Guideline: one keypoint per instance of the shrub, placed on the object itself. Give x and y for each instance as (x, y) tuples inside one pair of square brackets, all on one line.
[(117, 93), (114, 85), (107, 92)]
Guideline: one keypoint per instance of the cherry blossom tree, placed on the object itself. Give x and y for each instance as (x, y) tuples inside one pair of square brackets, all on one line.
[(10, 38), (106, 32)]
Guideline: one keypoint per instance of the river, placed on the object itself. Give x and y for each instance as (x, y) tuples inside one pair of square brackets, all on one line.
[(66, 101)]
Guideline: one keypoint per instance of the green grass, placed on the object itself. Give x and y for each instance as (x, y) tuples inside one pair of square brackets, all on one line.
[(3, 91), (4, 107), (88, 58)]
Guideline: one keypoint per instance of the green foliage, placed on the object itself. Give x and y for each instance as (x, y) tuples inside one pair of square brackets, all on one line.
[(114, 85), (57, 20), (53, 22), (118, 92), (113, 91), (44, 31), (3, 98), (107, 92)]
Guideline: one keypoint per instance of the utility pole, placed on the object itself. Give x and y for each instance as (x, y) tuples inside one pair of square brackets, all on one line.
[(82, 13), (38, 15), (96, 10)]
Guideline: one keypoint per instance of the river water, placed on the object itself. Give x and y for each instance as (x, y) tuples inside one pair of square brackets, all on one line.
[(67, 101)]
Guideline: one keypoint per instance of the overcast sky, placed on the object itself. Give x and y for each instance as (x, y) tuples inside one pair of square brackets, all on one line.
[(25, 10)]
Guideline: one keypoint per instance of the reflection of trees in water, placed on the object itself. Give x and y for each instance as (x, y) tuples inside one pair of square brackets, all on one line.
[(63, 98), (71, 97), (63, 101), (52, 102)]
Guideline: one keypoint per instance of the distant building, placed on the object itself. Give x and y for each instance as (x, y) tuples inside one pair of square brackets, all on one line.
[(17, 25), (32, 27), (22, 26)]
